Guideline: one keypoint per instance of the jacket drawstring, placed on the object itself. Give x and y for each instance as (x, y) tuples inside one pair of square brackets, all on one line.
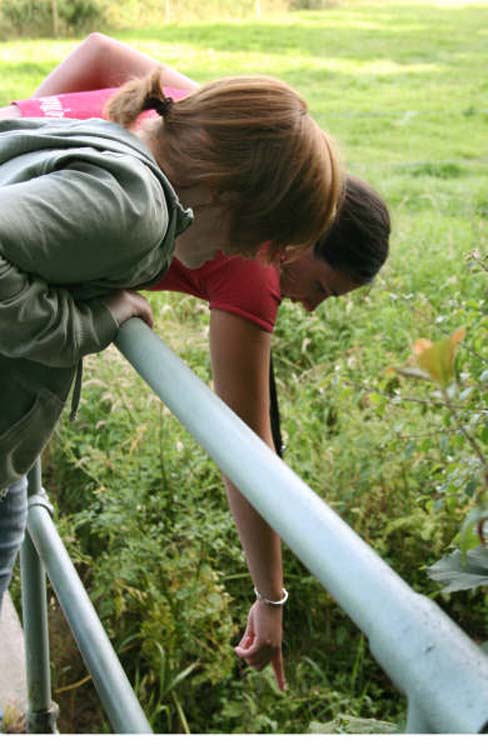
[(75, 398)]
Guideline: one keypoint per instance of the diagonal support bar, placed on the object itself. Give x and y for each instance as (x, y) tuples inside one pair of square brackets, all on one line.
[(116, 694)]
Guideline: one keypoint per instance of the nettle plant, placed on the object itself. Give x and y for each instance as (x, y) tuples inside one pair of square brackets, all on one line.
[(461, 396)]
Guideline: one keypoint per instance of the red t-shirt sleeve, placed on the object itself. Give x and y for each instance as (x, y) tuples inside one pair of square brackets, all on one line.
[(245, 287), (241, 286)]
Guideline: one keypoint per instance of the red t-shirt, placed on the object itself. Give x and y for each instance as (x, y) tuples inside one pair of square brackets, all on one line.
[(242, 286)]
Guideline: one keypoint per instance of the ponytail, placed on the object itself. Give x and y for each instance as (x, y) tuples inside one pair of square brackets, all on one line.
[(135, 97), (253, 145)]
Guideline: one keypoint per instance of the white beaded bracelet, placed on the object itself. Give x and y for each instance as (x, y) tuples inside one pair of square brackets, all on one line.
[(279, 603)]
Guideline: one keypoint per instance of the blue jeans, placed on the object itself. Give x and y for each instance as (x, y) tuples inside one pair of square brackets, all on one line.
[(13, 520)]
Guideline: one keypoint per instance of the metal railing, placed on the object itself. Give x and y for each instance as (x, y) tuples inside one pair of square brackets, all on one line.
[(43, 551), (442, 672)]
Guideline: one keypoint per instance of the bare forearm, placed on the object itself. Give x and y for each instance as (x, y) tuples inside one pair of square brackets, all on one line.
[(240, 362), (83, 70), (102, 62), (261, 544)]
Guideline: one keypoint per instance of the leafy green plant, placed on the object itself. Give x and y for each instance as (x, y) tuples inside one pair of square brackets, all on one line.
[(460, 572), (435, 362), (161, 699), (51, 17)]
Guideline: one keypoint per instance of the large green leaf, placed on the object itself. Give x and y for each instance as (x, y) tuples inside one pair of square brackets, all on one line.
[(460, 572), (438, 359)]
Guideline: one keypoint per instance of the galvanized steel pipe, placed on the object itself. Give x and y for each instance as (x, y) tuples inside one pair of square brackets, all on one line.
[(429, 658), (42, 712), (110, 680)]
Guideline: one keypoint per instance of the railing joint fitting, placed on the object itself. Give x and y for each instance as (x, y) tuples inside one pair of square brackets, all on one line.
[(44, 721), (41, 499)]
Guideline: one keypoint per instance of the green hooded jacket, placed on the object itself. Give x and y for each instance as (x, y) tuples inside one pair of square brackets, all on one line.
[(84, 210)]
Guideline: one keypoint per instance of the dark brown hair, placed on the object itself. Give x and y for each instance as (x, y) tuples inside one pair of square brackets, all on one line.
[(252, 143), (357, 243)]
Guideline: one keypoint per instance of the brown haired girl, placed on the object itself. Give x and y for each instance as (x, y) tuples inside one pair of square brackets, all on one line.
[(244, 298), (244, 153)]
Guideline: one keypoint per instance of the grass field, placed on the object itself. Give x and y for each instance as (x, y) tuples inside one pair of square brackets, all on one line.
[(402, 86)]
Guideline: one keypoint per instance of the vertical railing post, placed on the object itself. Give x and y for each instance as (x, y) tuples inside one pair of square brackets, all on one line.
[(42, 712)]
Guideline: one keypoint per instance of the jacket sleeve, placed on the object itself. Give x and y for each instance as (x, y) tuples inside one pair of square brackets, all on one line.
[(85, 222), (47, 325), (79, 225)]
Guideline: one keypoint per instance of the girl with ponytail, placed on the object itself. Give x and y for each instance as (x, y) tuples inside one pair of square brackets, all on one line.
[(243, 152), (93, 210)]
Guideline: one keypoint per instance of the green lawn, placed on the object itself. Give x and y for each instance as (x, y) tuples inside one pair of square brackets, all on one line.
[(403, 88)]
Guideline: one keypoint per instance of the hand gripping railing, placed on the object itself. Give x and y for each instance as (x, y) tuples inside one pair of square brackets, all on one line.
[(441, 671)]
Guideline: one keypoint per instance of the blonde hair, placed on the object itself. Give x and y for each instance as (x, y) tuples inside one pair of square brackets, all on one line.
[(252, 143)]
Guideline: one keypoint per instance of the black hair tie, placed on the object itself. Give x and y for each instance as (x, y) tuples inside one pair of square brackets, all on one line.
[(161, 106)]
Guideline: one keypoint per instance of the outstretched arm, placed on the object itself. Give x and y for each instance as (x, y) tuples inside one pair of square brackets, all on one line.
[(101, 62), (240, 362)]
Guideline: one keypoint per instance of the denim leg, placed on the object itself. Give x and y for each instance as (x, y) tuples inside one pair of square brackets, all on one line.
[(13, 519)]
